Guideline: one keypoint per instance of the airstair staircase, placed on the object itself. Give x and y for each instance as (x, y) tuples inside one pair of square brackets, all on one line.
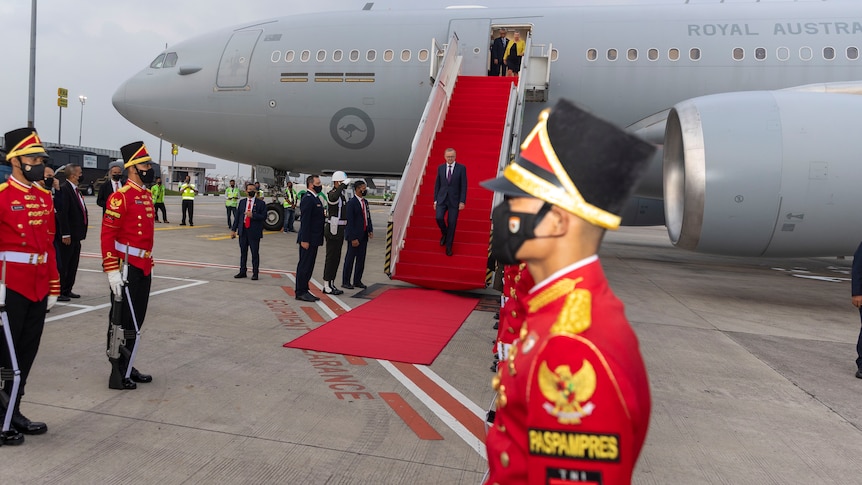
[(477, 116)]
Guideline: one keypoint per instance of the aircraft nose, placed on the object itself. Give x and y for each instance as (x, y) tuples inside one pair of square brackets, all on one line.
[(119, 100)]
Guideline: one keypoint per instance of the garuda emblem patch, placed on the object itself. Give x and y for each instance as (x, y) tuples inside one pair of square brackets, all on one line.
[(567, 393)]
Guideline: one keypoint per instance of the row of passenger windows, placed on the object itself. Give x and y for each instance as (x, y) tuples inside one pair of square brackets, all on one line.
[(738, 54), (352, 56)]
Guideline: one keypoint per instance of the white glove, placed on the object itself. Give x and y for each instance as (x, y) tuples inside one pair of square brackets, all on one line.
[(52, 300), (115, 280)]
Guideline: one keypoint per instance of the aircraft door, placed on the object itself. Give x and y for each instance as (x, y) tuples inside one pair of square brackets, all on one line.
[(236, 58), (474, 43)]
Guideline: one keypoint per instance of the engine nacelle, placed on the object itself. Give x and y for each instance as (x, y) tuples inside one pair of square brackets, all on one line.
[(765, 174)]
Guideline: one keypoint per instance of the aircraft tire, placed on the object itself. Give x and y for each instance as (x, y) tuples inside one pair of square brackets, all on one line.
[(274, 217)]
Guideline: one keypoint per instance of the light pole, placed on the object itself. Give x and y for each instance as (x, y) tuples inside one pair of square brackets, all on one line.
[(83, 100)]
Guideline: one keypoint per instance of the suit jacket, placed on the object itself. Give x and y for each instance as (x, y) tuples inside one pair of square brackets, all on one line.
[(312, 222), (105, 191), (454, 190), (498, 49), (856, 273), (71, 218), (258, 215), (355, 221)]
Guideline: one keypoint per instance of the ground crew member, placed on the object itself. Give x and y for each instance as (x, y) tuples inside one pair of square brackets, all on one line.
[(573, 401), (289, 207), (30, 278), (127, 229), (158, 191), (336, 220), (231, 200), (188, 191)]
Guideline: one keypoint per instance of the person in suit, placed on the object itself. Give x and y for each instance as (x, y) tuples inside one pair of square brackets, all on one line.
[(111, 185), (357, 233), (498, 54), (310, 236), (856, 300), (450, 195), (72, 219), (248, 225)]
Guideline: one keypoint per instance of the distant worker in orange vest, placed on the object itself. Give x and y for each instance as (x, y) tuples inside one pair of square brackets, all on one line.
[(573, 402)]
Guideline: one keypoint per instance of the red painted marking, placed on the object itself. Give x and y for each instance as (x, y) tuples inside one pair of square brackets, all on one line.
[(315, 317), (330, 303), (470, 421), (410, 417), (353, 360), (289, 291), (276, 276)]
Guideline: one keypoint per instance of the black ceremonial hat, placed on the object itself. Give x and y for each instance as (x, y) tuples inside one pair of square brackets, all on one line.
[(578, 162), (135, 153), (23, 141)]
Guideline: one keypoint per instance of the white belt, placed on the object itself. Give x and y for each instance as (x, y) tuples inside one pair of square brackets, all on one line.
[(133, 251), (25, 258)]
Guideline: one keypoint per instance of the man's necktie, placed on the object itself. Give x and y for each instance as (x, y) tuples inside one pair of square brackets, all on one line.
[(248, 206), (364, 213), (83, 207), (449, 173)]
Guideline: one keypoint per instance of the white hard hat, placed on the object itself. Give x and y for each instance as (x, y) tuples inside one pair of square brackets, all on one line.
[(339, 176)]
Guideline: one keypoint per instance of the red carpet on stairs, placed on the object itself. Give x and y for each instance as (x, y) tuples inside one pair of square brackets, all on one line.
[(404, 325), (474, 128)]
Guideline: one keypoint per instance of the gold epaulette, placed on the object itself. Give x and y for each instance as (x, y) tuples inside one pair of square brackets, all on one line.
[(576, 314), (124, 189), (3, 186)]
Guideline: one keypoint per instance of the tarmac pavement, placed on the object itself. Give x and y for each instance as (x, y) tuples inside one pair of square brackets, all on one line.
[(750, 364)]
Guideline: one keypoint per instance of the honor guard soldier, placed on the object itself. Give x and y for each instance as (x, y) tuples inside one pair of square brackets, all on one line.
[(336, 221), (573, 400), (127, 245), (516, 283), (29, 280)]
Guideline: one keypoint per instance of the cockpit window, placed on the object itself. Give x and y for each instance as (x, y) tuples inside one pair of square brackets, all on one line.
[(158, 61), (170, 59)]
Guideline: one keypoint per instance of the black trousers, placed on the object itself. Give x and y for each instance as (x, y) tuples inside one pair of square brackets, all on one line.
[(69, 257), (354, 262), (498, 69), (160, 206), (139, 289), (859, 346), (189, 208), (447, 222), (334, 243), (26, 322), (231, 215), (304, 268), (246, 243)]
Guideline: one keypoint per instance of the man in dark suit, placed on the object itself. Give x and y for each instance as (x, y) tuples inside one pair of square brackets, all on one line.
[(248, 225), (72, 220), (357, 233), (450, 194), (111, 185), (856, 294), (498, 54), (310, 236)]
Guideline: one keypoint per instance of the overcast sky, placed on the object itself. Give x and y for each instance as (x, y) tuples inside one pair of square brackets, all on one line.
[(90, 47)]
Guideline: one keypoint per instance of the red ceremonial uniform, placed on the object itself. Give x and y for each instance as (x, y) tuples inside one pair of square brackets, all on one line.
[(516, 283), (27, 226), (128, 220), (573, 400)]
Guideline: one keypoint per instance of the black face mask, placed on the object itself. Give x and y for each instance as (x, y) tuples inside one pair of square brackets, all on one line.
[(49, 183), (251, 193), (364, 192), (512, 230), (117, 177), (317, 188), (33, 173), (147, 176)]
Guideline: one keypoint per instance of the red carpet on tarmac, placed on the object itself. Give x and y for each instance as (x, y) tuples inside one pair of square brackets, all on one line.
[(403, 325)]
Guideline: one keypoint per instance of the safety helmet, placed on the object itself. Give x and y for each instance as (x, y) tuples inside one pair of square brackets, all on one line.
[(339, 176)]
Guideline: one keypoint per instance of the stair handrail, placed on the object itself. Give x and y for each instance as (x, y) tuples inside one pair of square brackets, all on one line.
[(511, 144), (430, 123)]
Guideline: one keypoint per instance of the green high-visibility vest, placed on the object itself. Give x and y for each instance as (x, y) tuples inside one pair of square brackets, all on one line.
[(158, 192), (231, 197), (188, 191)]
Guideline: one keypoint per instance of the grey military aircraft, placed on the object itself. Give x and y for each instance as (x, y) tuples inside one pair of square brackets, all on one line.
[(755, 104)]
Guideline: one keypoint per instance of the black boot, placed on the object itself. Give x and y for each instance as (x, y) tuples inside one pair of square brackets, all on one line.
[(24, 425)]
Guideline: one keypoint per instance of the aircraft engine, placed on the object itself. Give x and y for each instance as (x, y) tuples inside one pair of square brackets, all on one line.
[(765, 173)]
